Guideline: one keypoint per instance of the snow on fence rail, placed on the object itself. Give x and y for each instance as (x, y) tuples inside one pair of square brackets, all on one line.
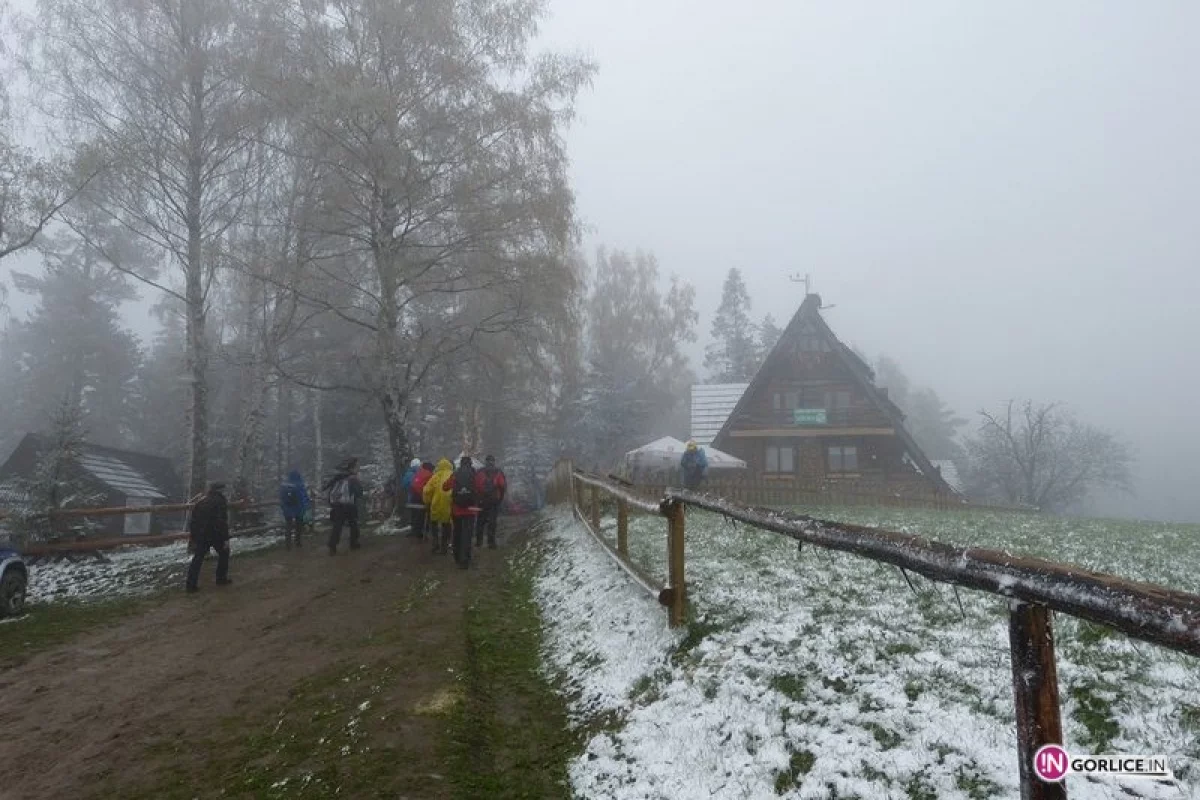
[(1034, 586)]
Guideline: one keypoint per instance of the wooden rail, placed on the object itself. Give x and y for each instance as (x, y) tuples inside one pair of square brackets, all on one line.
[(1035, 587)]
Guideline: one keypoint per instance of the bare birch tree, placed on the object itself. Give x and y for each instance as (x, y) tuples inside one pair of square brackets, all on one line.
[(154, 91), (439, 140)]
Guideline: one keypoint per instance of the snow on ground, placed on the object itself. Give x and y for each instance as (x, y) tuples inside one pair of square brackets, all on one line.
[(124, 572), (815, 674)]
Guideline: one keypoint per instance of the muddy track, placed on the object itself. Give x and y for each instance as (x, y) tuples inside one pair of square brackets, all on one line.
[(144, 697)]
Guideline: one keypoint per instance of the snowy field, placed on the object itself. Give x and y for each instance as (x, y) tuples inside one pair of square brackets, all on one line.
[(822, 675), (123, 573)]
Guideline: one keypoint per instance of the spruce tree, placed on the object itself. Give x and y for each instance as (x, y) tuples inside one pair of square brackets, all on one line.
[(733, 355)]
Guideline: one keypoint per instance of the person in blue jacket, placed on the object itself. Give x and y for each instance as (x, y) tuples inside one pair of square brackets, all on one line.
[(295, 503), (693, 465), (406, 491)]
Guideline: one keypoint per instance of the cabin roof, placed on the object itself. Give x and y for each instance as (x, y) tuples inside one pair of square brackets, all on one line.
[(810, 313), (712, 403)]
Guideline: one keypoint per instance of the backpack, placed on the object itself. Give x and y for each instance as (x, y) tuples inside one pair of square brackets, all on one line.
[(341, 493), (291, 497), (489, 484), (464, 487)]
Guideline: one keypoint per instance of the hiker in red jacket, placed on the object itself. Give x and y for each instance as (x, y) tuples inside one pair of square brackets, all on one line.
[(490, 486), (463, 509), (416, 497)]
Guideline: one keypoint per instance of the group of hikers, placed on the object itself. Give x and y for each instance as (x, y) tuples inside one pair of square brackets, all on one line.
[(453, 505)]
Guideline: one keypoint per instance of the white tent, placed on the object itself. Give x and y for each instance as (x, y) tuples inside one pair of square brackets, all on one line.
[(665, 453)]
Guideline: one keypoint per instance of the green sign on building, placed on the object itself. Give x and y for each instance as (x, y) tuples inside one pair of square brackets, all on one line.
[(808, 416)]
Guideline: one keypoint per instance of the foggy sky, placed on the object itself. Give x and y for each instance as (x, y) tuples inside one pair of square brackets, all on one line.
[(1001, 196)]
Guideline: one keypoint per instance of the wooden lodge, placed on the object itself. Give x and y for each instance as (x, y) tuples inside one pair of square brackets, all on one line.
[(813, 417), (110, 477)]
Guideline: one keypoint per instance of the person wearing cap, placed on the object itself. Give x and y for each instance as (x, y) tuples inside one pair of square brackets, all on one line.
[(343, 492), (490, 486), (209, 530), (693, 465)]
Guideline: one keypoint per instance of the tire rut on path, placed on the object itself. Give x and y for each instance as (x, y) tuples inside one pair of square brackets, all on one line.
[(120, 705)]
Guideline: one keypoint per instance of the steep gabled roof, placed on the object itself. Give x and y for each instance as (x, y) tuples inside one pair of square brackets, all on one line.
[(810, 312), (712, 404)]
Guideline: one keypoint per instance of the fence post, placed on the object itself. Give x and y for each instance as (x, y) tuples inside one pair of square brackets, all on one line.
[(596, 509), (675, 571), (622, 527), (1035, 689)]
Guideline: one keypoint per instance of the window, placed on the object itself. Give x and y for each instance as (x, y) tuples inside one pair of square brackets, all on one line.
[(843, 459), (837, 400), (792, 399), (778, 401), (781, 459), (785, 401)]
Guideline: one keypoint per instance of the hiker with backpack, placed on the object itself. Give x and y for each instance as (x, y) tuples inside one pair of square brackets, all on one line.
[(436, 495), (418, 510), (344, 492), (461, 485), (294, 503), (490, 486)]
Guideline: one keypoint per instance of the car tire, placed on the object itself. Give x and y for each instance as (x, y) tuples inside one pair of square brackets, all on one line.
[(12, 594)]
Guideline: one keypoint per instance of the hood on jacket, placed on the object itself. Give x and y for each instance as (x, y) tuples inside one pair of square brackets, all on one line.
[(444, 465), (294, 477)]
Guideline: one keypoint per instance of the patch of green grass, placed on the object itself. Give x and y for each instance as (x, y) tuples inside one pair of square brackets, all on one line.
[(510, 735), (49, 625), (900, 648), (789, 685), (888, 739), (913, 689), (974, 784), (697, 630), (919, 788), (838, 685), (1089, 633), (1095, 714), (799, 765)]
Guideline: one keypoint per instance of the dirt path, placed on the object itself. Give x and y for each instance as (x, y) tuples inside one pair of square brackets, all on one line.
[(310, 672)]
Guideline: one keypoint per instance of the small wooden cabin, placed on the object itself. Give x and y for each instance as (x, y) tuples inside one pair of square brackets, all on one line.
[(115, 478), (812, 415)]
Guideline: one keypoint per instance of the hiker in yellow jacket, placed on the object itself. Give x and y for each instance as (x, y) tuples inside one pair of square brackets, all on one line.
[(438, 500)]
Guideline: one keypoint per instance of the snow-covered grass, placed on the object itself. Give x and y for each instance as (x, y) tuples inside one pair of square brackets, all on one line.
[(819, 674), (122, 573)]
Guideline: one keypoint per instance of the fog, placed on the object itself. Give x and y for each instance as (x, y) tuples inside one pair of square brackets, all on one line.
[(1002, 197)]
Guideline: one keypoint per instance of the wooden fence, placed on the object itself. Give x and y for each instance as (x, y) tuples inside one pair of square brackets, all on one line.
[(1035, 588), (788, 493)]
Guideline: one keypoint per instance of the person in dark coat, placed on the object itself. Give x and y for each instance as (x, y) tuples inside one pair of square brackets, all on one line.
[(294, 503), (209, 530), (461, 486), (490, 487), (344, 492)]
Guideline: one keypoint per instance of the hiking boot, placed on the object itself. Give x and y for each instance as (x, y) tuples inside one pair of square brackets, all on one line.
[(192, 589), (355, 545), (224, 581), (492, 545), (332, 550)]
